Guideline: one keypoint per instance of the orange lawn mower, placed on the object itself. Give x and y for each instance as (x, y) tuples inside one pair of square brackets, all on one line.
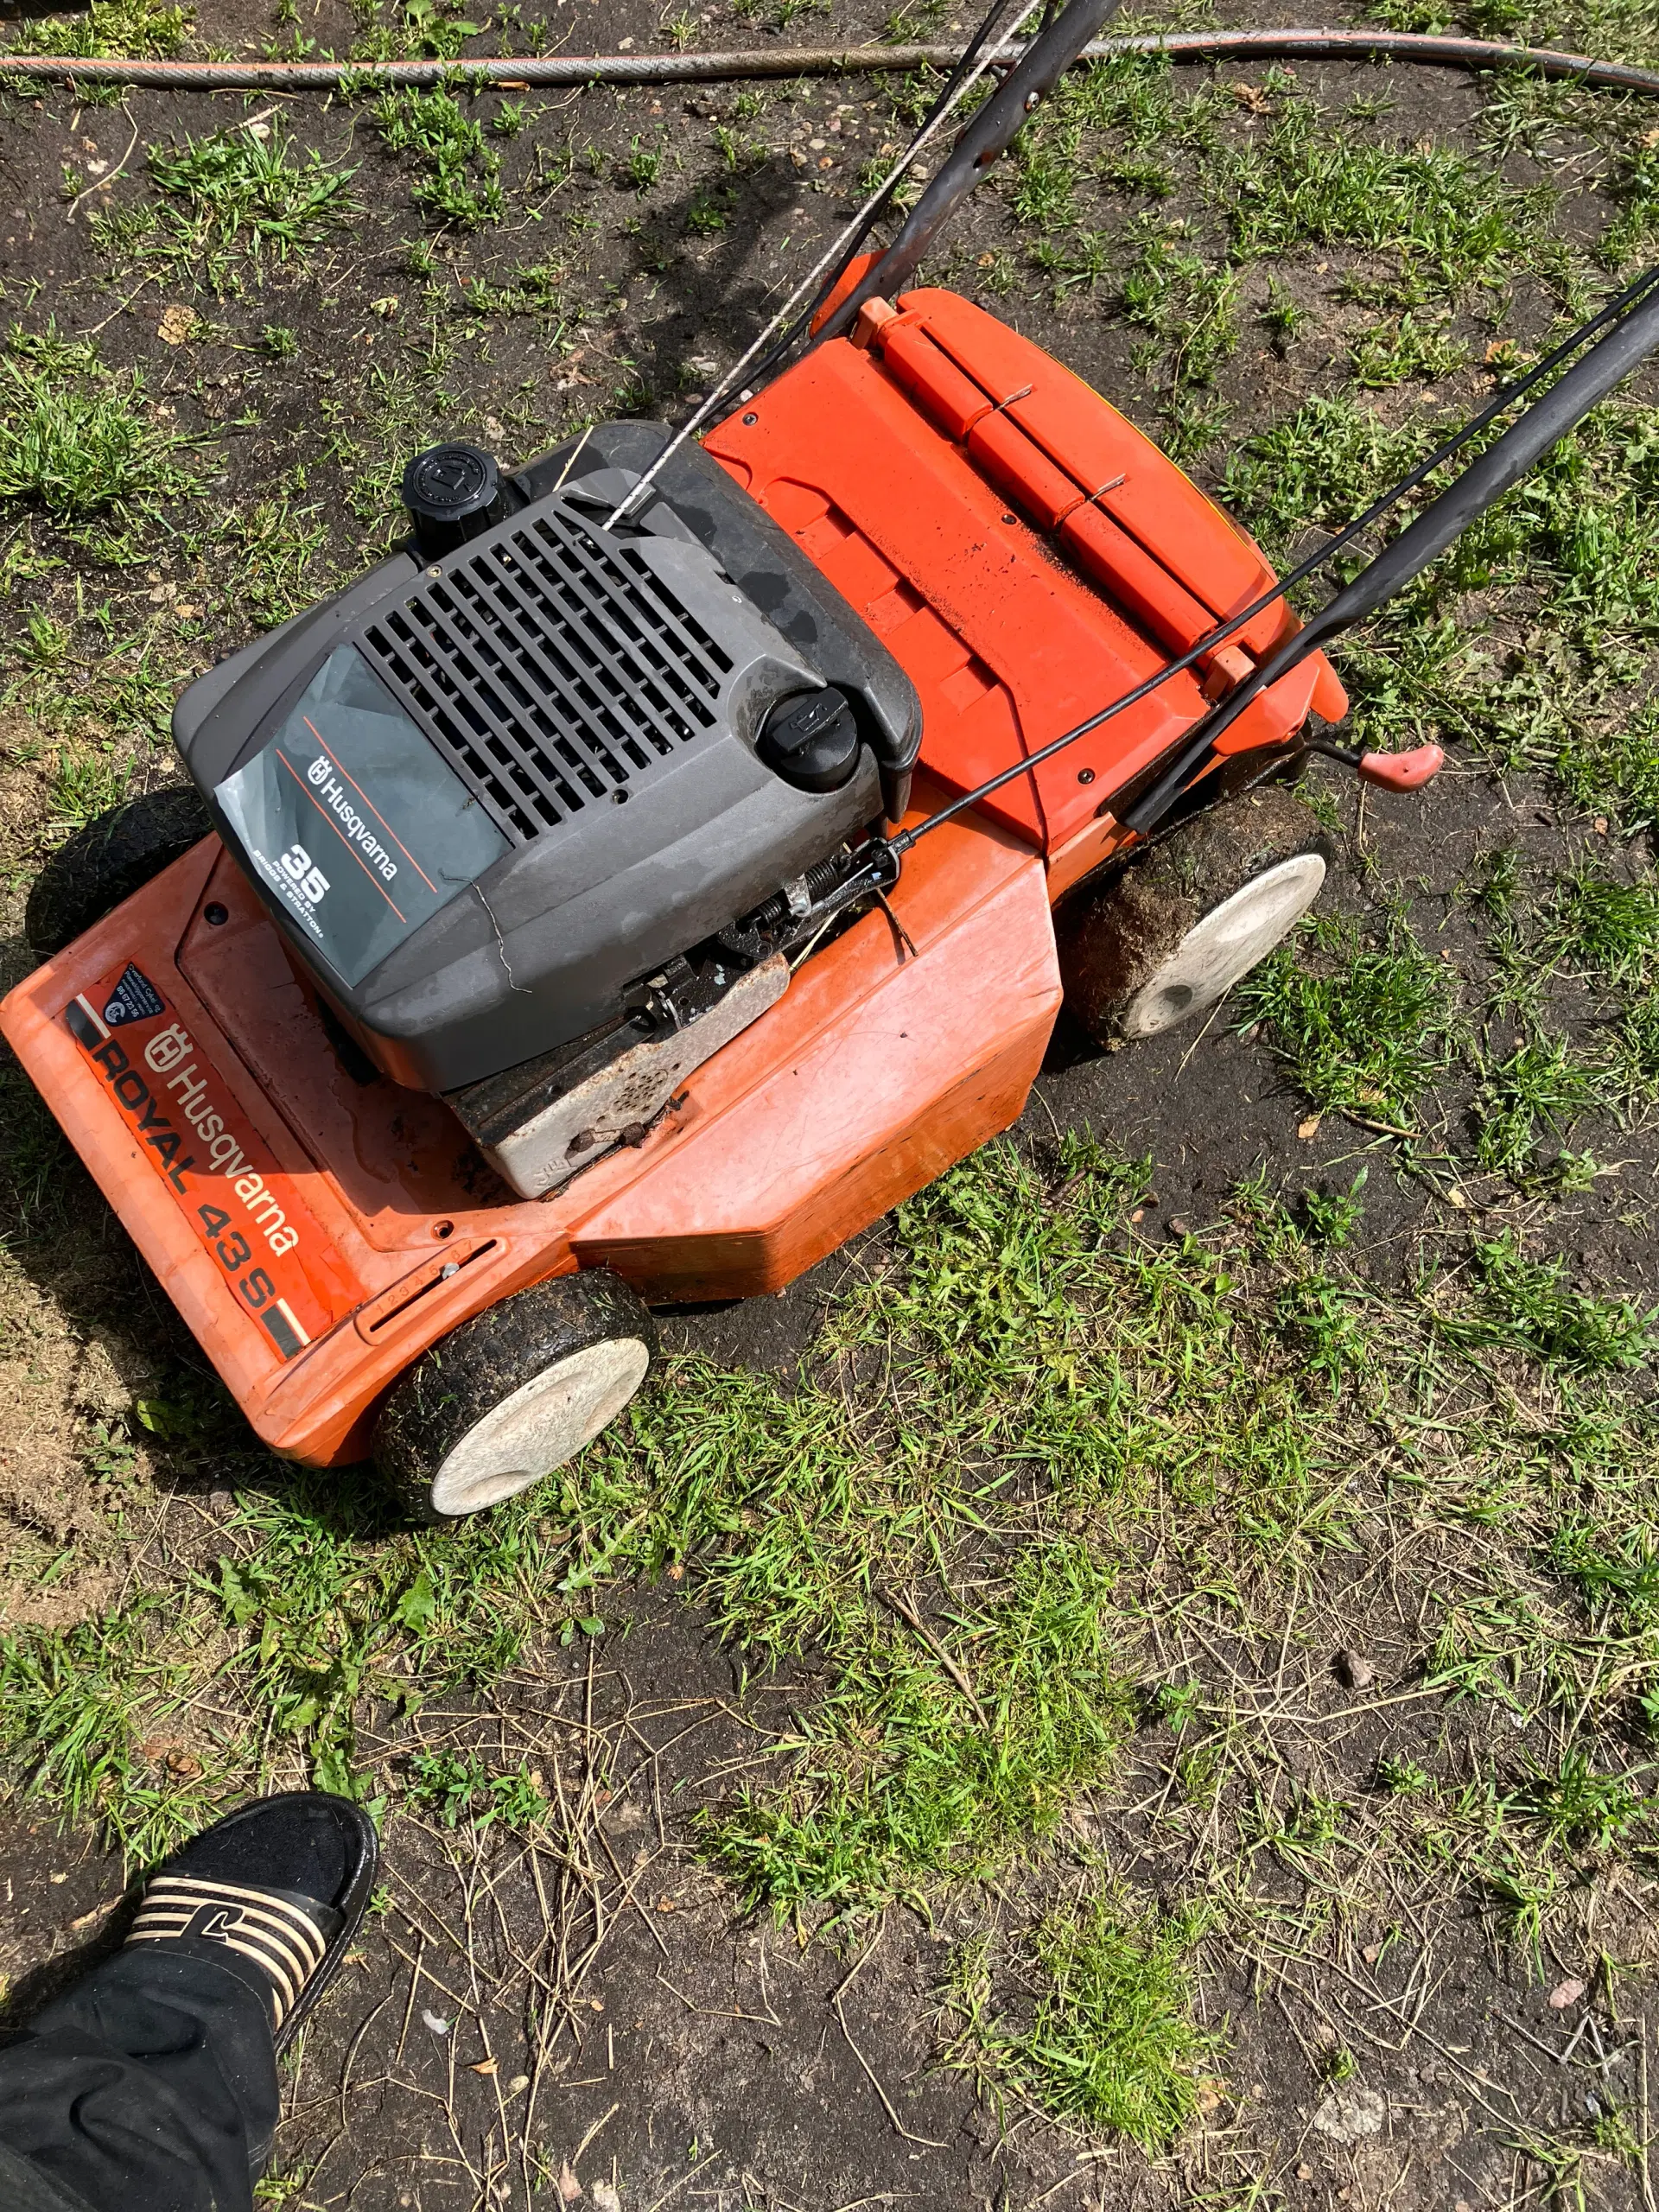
[(680, 853)]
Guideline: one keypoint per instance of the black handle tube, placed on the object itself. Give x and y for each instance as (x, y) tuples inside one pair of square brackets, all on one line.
[(1044, 61), (1485, 481), (1500, 402)]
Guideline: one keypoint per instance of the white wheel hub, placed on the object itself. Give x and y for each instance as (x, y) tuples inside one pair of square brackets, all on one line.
[(1224, 944), (542, 1424)]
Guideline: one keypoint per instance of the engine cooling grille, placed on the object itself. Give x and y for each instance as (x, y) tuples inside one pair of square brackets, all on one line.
[(551, 667)]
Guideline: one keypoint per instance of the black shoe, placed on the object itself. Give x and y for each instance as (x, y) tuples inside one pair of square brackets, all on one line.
[(273, 1893)]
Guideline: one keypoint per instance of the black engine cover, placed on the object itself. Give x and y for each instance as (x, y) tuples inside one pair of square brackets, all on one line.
[(487, 792)]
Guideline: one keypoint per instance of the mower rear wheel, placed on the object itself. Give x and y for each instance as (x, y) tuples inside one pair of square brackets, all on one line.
[(1163, 941), (513, 1394), (113, 855)]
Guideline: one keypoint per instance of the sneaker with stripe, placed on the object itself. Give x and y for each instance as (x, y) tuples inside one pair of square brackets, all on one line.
[(273, 1894)]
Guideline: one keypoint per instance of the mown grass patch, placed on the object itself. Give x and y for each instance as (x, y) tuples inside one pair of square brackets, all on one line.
[(1531, 639), (1110, 2042), (1266, 174), (1365, 1027), (1029, 1441)]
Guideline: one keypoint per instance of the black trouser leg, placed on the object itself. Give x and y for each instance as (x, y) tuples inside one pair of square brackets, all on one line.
[(150, 2087)]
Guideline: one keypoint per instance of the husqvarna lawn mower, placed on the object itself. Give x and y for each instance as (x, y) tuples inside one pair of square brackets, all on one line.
[(680, 853)]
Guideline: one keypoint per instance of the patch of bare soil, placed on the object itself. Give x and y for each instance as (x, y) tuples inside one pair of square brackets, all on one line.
[(63, 1558)]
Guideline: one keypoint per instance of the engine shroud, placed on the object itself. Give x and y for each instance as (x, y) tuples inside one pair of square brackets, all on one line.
[(487, 792)]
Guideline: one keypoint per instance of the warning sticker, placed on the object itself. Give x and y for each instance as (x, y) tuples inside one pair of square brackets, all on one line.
[(135, 998), (241, 1205)]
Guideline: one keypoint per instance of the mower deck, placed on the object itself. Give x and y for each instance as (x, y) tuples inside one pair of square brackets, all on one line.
[(319, 1229), (1025, 554)]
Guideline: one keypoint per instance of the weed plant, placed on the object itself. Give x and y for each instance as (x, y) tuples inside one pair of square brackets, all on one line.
[(461, 183), (78, 438), (233, 195)]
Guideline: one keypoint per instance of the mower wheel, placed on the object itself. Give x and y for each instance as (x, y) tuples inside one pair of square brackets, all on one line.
[(115, 854), (513, 1394), (1169, 936)]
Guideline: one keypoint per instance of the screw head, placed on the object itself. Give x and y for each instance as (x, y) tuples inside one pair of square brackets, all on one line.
[(1085, 775), (215, 915), (751, 419)]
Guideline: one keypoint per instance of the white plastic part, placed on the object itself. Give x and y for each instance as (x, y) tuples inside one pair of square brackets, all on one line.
[(542, 1425), (1224, 944)]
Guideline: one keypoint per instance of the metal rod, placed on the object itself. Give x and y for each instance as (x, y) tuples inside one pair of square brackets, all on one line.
[(988, 135), (1645, 286), (523, 71)]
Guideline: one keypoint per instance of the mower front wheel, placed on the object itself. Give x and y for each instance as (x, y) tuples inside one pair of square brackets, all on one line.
[(1162, 941), (107, 860), (512, 1393)]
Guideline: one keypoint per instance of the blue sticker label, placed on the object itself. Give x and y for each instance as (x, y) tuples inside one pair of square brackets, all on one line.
[(135, 998), (354, 822)]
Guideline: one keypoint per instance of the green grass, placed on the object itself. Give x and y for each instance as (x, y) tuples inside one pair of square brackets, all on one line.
[(906, 1775), (1539, 1092), (1387, 353), (1029, 1440), (1526, 638), (1573, 1804), (1365, 1028), (1440, 216), (1603, 924), (231, 196), (1440, 229), (1112, 2044), (1529, 1305), (139, 30), (79, 439)]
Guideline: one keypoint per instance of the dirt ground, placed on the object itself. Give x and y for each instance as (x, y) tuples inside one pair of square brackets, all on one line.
[(539, 2017)]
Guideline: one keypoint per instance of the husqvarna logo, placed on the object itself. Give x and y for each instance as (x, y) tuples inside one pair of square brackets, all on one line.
[(318, 771)]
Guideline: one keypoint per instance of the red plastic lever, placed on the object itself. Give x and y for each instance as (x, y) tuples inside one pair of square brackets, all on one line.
[(1402, 771)]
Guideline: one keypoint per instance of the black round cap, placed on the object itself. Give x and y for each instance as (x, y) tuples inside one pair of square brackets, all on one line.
[(811, 741), (447, 484)]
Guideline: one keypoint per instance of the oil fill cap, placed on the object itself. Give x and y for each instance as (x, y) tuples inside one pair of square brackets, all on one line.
[(451, 492), (811, 742)]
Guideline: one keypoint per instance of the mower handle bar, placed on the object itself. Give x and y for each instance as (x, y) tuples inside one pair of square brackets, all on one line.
[(1485, 482), (1500, 402), (988, 135)]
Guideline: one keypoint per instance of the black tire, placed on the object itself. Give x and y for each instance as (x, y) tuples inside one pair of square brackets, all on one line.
[(115, 854), (1151, 947), (451, 1439)]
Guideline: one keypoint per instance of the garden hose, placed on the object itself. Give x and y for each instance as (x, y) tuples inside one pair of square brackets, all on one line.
[(521, 73)]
